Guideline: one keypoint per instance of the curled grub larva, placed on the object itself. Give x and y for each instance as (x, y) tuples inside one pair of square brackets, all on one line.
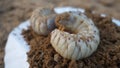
[(42, 20), (76, 37)]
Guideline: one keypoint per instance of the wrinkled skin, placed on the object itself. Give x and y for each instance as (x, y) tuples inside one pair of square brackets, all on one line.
[(43, 21)]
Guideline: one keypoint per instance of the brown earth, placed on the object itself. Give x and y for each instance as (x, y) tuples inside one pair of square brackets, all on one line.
[(13, 12), (43, 55)]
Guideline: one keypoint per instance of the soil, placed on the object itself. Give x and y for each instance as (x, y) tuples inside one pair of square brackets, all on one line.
[(107, 55), (13, 12)]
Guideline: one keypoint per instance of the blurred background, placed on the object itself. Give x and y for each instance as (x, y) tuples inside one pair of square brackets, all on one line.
[(13, 12)]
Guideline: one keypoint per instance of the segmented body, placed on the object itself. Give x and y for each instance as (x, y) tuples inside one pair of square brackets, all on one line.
[(76, 37), (83, 40), (42, 21)]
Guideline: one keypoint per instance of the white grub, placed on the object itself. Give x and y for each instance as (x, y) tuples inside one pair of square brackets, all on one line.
[(81, 43), (42, 20)]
